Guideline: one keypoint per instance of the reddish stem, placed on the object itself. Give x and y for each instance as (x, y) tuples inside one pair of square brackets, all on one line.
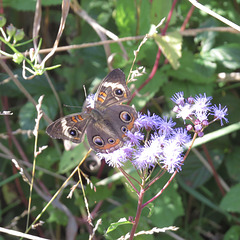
[(213, 169), (173, 175), (155, 66), (189, 14), (138, 214)]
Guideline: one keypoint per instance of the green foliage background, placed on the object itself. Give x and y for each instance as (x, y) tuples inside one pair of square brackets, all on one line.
[(198, 202)]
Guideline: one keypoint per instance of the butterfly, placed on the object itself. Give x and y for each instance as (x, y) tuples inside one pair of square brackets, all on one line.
[(106, 123)]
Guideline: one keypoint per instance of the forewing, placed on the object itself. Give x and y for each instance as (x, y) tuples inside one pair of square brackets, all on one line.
[(113, 89)]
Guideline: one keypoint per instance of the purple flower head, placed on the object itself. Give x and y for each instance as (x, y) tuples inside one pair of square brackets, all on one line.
[(202, 103), (172, 156), (198, 110), (135, 138), (219, 113), (178, 98), (118, 157), (202, 116), (198, 127), (90, 101), (205, 123), (200, 134), (145, 157), (166, 127), (190, 100), (146, 121), (181, 136), (148, 154), (185, 112)]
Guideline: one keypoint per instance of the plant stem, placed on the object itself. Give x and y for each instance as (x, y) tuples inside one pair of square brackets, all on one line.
[(138, 214)]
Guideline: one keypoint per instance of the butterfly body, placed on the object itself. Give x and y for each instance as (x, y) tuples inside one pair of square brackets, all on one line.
[(106, 123)]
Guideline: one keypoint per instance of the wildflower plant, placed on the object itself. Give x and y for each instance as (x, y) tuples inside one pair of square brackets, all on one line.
[(158, 144), (12, 37)]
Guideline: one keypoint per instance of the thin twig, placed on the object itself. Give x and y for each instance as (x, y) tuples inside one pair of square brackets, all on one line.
[(215, 15), (187, 32), (59, 190)]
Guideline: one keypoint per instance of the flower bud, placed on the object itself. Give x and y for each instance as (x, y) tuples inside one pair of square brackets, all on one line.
[(198, 127), (11, 30), (190, 100), (176, 109), (32, 54), (19, 35), (200, 134), (197, 122), (189, 127), (17, 57), (205, 123), (2, 21)]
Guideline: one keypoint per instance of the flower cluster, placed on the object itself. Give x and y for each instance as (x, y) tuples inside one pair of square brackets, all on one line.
[(198, 110), (165, 144)]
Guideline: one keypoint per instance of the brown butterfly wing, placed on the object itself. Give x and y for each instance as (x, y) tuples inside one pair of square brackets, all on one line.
[(112, 90), (71, 127)]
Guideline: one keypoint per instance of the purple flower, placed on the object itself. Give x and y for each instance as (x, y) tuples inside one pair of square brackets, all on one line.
[(165, 126), (89, 102), (148, 155), (172, 156), (185, 112), (220, 113), (118, 157), (197, 110), (178, 98), (146, 121), (135, 138), (181, 136), (202, 103), (201, 115)]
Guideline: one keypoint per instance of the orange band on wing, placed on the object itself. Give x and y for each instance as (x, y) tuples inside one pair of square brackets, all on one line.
[(103, 94), (130, 125), (74, 119), (102, 97), (79, 117), (109, 146)]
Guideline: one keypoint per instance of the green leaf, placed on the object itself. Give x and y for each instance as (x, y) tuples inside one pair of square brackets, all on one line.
[(171, 46), (48, 158), (149, 90), (187, 87), (232, 233), (28, 113), (195, 69), (167, 207), (70, 159), (113, 226), (207, 39), (195, 173), (125, 17), (228, 55), (36, 86), (57, 216), (233, 164), (28, 5), (231, 200), (144, 21), (159, 10)]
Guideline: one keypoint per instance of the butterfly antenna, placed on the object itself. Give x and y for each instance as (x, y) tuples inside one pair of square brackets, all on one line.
[(85, 92), (70, 106)]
